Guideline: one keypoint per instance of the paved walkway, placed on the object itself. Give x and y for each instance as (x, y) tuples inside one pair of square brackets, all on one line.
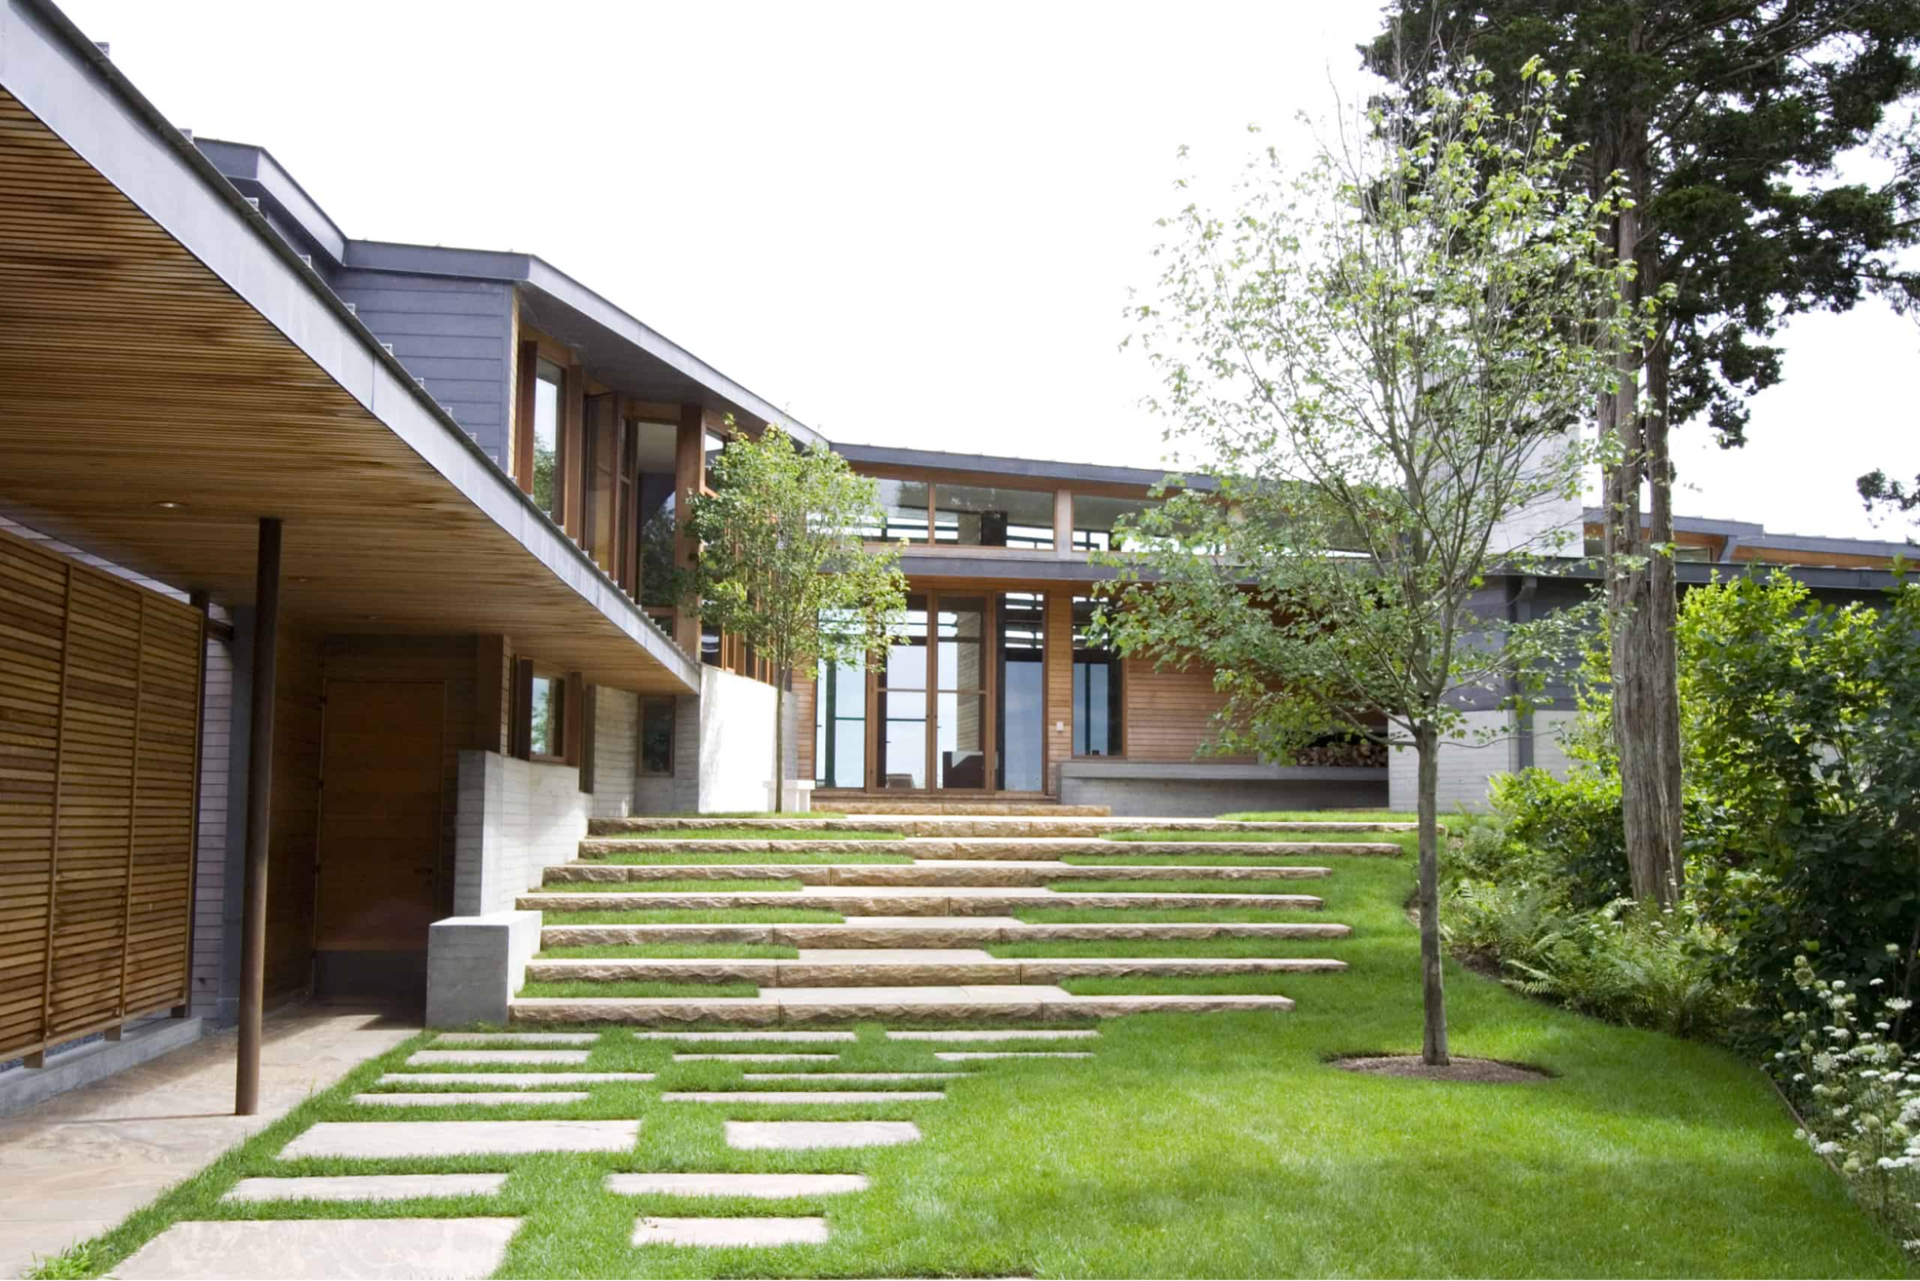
[(78, 1164)]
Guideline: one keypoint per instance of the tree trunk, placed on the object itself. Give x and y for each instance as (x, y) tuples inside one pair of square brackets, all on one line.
[(1433, 997), (779, 746), (1642, 604)]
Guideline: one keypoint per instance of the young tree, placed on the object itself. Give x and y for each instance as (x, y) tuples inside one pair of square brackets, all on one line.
[(1723, 122), (1381, 361), (784, 564)]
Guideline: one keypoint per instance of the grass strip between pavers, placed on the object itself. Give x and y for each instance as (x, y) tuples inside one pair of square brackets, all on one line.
[(677, 885), (638, 989), (1213, 836), (697, 916), (1178, 1146), (743, 834), (1196, 885), (645, 858)]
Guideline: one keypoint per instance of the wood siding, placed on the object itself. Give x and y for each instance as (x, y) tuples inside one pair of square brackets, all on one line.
[(294, 818), (99, 739), (1059, 684), (806, 694), (1169, 711)]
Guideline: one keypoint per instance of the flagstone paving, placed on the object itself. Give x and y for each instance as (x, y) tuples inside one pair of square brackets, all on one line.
[(795, 1136), (766, 1187), (463, 1098), (293, 1250), (756, 1058), (730, 1232), (365, 1187), (512, 1080), (381, 1139)]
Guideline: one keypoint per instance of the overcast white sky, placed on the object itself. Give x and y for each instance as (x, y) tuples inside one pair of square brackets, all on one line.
[(904, 224)]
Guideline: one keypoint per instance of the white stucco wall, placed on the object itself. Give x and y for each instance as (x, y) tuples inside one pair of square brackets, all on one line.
[(736, 741)]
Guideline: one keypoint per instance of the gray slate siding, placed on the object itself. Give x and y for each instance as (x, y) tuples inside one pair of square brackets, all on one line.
[(456, 334)]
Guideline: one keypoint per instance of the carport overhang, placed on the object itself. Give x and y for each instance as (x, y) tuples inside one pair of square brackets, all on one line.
[(171, 372)]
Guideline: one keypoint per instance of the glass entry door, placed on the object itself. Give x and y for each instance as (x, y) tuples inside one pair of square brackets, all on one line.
[(961, 687), (933, 698)]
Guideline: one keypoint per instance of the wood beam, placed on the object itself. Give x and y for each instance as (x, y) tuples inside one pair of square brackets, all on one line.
[(253, 927), (689, 479)]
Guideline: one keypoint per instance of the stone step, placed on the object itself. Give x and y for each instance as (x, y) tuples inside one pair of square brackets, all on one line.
[(973, 848), (969, 1056), (790, 1006), (934, 873), (909, 972), (917, 806), (981, 825), (365, 1187), (510, 1080), (450, 1099), (885, 900), (380, 1140), (336, 1248), (924, 932)]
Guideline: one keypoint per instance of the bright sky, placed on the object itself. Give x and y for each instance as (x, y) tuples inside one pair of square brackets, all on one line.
[(904, 224)]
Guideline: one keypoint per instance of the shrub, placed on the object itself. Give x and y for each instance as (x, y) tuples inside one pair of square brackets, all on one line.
[(1573, 826)]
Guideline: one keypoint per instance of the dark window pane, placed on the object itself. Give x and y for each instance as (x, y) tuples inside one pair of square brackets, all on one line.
[(1097, 725), (549, 709), (978, 516), (550, 379), (656, 735)]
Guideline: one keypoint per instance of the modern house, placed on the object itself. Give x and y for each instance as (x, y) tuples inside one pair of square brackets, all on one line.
[(324, 570)]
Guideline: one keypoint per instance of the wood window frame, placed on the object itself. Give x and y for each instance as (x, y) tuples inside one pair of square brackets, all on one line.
[(567, 442), (569, 703)]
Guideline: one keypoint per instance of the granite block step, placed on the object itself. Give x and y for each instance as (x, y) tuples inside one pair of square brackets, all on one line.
[(984, 848), (346, 1249), (380, 1140), (509, 1080), (872, 932), (850, 1076), (435, 1058), (463, 1098), (881, 900), (876, 970), (983, 1003), (979, 825), (800, 1136), (931, 874)]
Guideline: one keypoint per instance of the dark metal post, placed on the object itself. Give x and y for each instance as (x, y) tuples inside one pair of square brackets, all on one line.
[(253, 929)]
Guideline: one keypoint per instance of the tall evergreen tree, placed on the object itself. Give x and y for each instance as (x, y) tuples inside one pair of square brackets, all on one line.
[(1724, 120)]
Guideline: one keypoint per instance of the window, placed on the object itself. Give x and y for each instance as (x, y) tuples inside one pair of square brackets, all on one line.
[(1020, 728), (547, 713), (978, 516), (549, 390), (840, 725), (903, 506), (656, 736), (606, 452), (1094, 519), (1097, 707)]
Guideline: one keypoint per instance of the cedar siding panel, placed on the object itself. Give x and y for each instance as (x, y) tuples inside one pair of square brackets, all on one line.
[(1169, 712)]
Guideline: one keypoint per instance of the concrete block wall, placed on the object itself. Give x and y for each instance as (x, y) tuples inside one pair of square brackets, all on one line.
[(515, 819), (736, 741), (678, 792), (1465, 766), (1549, 749), (616, 743)]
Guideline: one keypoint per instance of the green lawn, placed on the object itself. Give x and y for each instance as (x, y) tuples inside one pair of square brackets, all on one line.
[(1195, 1145), (645, 990), (676, 885), (1195, 885), (1222, 836), (636, 858), (744, 834)]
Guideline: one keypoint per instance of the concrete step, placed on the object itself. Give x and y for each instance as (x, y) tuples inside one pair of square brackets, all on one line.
[(881, 900), (970, 848), (982, 825), (910, 972), (922, 932), (789, 1006), (986, 809), (934, 873)]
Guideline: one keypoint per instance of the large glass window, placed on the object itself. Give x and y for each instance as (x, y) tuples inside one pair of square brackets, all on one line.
[(1020, 729), (548, 711), (903, 512), (1097, 723), (604, 453), (903, 703), (1094, 518), (549, 387), (978, 516), (961, 705), (656, 735), (840, 725)]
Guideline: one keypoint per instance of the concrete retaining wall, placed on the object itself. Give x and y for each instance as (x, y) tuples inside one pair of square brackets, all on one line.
[(516, 819), (476, 963), (1150, 790)]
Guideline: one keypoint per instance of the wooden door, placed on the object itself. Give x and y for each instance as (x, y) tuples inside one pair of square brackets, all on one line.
[(379, 847)]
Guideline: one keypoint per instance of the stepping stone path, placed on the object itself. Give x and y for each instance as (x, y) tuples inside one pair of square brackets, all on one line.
[(366, 1187), (800, 1136), (769, 1187), (914, 945), (289, 1250)]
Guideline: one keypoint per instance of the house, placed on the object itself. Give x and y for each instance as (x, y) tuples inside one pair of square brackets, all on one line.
[(325, 612)]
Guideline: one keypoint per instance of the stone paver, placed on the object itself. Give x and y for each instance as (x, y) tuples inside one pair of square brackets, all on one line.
[(730, 1232), (512, 1080), (767, 1187), (454, 1040), (366, 1187), (746, 1036), (964, 1056), (461, 1098), (893, 955), (793, 1136), (431, 1058), (1009, 1034), (77, 1164), (851, 1076), (802, 1096), (382, 1139), (978, 994), (272, 1250), (755, 1058)]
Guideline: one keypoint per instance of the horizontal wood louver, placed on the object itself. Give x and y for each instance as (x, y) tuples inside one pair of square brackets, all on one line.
[(99, 717)]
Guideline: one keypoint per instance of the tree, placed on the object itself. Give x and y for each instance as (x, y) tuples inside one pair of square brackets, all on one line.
[(1723, 121), (783, 563), (1380, 360)]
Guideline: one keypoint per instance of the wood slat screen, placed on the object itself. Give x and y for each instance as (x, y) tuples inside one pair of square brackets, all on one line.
[(99, 742)]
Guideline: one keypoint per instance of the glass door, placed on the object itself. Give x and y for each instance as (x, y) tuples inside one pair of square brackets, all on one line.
[(1019, 703), (904, 740), (961, 688)]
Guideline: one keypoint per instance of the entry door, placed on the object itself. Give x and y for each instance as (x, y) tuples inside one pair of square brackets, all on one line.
[(379, 849)]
